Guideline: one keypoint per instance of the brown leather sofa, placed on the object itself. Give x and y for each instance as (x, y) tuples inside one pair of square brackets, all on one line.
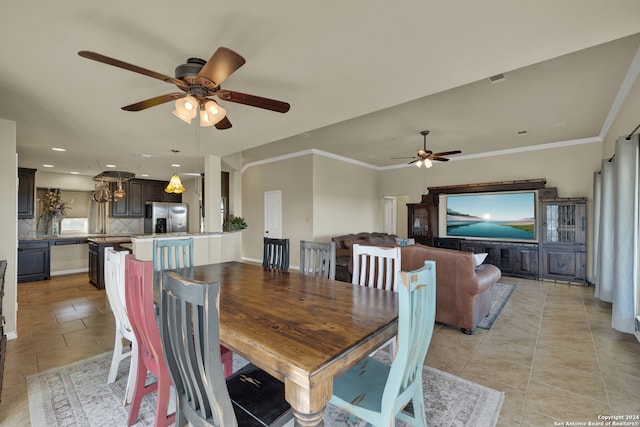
[(345, 243), (463, 291)]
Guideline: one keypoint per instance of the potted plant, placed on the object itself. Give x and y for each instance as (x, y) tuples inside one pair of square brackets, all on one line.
[(234, 223)]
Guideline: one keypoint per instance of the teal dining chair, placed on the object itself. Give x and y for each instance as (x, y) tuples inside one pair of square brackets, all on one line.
[(378, 392), (190, 333), (172, 253)]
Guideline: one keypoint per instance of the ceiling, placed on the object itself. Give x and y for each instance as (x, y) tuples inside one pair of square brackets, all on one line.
[(363, 77)]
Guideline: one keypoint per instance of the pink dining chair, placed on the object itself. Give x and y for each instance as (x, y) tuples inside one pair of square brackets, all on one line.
[(139, 297)]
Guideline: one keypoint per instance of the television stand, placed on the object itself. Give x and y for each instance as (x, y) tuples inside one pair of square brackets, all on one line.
[(514, 259)]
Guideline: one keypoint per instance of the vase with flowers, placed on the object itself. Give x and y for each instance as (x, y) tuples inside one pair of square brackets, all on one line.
[(53, 210)]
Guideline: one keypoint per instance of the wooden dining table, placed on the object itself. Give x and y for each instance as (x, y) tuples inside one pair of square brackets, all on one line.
[(303, 330)]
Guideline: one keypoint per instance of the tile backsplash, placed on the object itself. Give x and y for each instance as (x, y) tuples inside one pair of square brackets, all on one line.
[(27, 228)]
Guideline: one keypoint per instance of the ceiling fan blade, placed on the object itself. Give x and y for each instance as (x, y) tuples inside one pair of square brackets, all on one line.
[(152, 102), (124, 65), (398, 158), (223, 124), (446, 153), (440, 159), (254, 101), (221, 65), (413, 161)]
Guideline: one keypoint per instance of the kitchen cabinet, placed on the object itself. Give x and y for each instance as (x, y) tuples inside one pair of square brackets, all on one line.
[(138, 192), (96, 257), (563, 239), (26, 192), (33, 260), (132, 206)]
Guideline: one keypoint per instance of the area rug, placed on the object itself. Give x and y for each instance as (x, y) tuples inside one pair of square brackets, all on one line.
[(500, 294), (78, 395)]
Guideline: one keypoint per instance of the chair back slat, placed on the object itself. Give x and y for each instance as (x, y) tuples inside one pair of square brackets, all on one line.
[(173, 253), (189, 321), (276, 254), (318, 259), (375, 266)]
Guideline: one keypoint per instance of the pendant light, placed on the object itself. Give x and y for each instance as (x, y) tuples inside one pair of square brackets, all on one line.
[(175, 185)]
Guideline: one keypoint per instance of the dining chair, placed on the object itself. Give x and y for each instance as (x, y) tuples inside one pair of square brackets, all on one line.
[(318, 259), (189, 322), (172, 253), (139, 297), (114, 281), (376, 391), (276, 254), (178, 253), (376, 267)]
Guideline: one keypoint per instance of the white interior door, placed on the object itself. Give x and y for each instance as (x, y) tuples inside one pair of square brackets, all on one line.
[(273, 214), (390, 215)]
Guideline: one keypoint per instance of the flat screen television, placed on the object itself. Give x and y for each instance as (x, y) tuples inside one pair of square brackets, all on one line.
[(509, 216)]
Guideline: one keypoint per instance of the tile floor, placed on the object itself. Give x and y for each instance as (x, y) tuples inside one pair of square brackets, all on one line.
[(551, 350)]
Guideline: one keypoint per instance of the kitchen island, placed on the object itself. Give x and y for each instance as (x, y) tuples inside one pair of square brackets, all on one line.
[(208, 248)]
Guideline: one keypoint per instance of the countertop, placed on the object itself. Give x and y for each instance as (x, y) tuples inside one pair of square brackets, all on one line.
[(123, 238)]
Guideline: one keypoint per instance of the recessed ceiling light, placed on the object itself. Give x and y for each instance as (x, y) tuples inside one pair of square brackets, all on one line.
[(48, 166), (145, 174), (146, 156), (191, 174), (175, 165), (58, 149), (110, 166), (74, 173)]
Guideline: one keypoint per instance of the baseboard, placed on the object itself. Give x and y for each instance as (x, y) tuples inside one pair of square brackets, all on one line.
[(74, 271), (11, 335), (637, 332)]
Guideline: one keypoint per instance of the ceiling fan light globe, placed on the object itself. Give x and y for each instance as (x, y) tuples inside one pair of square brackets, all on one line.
[(204, 119), (428, 163), (214, 112), (182, 117), (419, 163)]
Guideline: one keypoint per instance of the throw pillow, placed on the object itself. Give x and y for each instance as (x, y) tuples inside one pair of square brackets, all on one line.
[(479, 258), (405, 242)]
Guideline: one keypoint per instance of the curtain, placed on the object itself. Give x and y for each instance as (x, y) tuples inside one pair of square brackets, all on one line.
[(615, 233)]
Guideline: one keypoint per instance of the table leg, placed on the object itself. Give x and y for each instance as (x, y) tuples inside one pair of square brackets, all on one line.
[(308, 402)]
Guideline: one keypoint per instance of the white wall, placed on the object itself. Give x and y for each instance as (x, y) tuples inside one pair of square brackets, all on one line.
[(8, 218)]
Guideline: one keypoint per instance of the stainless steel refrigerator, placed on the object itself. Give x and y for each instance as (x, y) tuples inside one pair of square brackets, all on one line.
[(165, 217)]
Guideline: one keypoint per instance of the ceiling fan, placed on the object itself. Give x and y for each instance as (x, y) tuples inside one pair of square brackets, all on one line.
[(198, 80), (425, 156)]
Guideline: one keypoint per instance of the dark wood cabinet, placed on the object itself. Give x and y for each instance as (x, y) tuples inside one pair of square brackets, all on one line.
[(96, 267), (33, 260), (138, 192), (26, 192), (563, 239), (96, 259), (422, 220), (512, 258)]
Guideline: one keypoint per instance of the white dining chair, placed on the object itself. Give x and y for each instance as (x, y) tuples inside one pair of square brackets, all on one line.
[(377, 267), (114, 280)]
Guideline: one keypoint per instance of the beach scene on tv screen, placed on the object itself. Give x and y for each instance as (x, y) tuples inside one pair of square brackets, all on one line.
[(496, 216)]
